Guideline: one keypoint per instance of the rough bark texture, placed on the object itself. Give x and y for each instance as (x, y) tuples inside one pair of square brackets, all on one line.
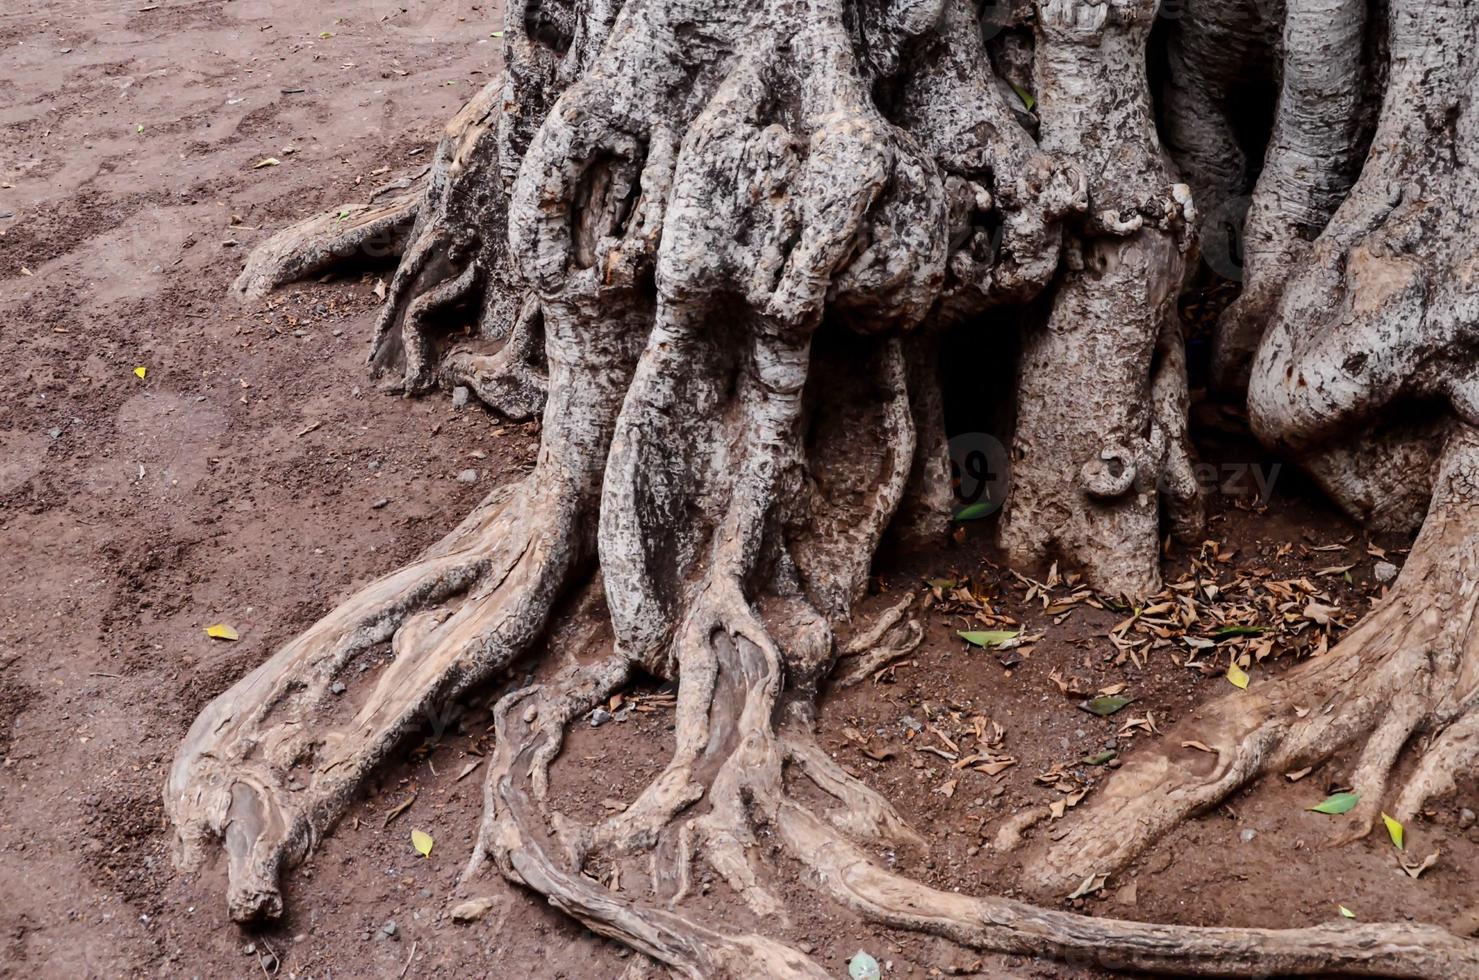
[(718, 245), (1364, 376)]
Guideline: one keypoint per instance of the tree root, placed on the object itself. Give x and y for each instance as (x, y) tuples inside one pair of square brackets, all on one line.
[(1409, 668), (255, 768), (263, 772), (748, 800), (375, 230), (723, 243), (887, 639)]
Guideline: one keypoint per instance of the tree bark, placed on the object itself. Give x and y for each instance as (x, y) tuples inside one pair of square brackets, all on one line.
[(716, 245)]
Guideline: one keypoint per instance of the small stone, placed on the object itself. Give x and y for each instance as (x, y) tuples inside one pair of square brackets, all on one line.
[(806, 948), (300, 333), (249, 949), (337, 687), (912, 723), (1465, 818), (1247, 835), (467, 476), (600, 717), (382, 502), (54, 433), (1384, 571), (460, 395), (389, 928), (269, 963)]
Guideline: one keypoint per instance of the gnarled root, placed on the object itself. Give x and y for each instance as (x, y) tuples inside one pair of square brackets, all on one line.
[(374, 230), (1410, 669), (742, 772), (266, 773)]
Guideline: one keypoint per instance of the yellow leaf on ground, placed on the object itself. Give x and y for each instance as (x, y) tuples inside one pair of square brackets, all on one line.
[(220, 631), (1237, 676), (139, 372), (1394, 830), (1346, 912), (269, 162), (422, 842)]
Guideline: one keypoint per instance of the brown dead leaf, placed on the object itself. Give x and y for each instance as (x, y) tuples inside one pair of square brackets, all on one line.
[(1091, 884), (1416, 869)]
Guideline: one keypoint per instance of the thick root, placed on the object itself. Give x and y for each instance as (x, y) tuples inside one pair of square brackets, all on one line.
[(377, 231), (263, 771), (1410, 667), (1088, 453), (259, 772), (747, 794)]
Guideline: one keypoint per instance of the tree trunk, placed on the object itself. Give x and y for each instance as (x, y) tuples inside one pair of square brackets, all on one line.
[(717, 245)]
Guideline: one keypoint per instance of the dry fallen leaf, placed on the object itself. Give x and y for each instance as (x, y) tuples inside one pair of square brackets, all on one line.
[(269, 162), (1237, 676), (1415, 870), (220, 631), (1199, 746), (1091, 884)]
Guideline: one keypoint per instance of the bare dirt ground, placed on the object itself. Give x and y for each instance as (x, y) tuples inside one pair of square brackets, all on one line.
[(253, 475)]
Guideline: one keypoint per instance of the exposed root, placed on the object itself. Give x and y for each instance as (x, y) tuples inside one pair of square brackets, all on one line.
[(725, 230), (263, 771), (748, 796), (1088, 456), (1410, 667), (513, 382), (260, 772), (888, 638), (377, 230)]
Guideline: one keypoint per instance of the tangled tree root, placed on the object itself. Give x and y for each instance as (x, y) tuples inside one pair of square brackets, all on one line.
[(734, 232), (747, 797), (1409, 670)]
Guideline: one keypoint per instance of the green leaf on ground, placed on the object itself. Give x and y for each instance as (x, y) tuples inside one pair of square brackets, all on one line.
[(1338, 803), (1106, 706), (1395, 830), (986, 638)]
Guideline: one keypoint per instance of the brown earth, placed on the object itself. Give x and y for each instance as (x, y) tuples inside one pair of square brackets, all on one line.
[(237, 482)]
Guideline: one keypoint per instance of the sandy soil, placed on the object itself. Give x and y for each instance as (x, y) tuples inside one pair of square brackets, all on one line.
[(238, 481)]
